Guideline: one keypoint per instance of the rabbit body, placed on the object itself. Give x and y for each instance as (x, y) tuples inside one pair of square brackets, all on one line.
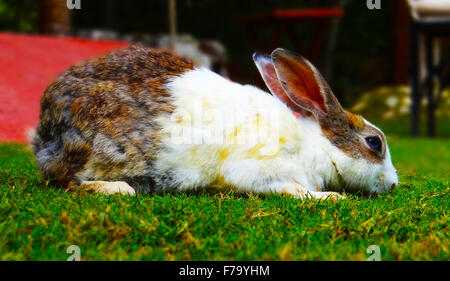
[(139, 120)]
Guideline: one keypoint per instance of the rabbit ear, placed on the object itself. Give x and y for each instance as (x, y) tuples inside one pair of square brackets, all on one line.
[(267, 71), (304, 84)]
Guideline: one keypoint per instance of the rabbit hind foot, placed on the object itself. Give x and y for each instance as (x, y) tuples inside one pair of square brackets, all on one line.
[(109, 187)]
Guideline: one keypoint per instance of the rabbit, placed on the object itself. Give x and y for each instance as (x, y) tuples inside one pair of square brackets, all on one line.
[(142, 120)]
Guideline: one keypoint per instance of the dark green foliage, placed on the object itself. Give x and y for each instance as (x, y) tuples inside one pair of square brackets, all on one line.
[(18, 15)]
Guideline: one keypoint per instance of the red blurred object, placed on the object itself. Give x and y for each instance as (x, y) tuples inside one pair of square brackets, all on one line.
[(294, 14), (27, 65)]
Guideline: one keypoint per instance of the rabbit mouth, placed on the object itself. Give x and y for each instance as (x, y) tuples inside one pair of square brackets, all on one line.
[(385, 182)]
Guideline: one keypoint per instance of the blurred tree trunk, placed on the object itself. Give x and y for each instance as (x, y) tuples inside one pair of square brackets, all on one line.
[(54, 17), (172, 23)]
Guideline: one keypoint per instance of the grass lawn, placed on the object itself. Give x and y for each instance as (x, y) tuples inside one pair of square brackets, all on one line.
[(38, 222)]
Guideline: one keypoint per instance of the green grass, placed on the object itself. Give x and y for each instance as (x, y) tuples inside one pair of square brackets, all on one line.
[(39, 222)]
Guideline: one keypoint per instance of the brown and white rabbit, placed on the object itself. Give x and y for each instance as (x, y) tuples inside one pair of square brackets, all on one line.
[(139, 120)]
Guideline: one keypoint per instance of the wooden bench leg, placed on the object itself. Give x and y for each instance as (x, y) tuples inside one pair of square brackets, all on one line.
[(415, 94), (430, 88)]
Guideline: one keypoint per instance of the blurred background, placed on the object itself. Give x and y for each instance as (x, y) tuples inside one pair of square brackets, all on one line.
[(363, 50)]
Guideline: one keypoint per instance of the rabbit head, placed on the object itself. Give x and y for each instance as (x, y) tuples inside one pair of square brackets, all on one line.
[(357, 149)]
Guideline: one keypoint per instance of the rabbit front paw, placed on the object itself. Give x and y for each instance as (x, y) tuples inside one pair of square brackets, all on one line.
[(326, 195), (109, 187), (302, 193)]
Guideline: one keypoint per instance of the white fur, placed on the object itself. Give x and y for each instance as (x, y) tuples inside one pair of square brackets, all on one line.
[(214, 137)]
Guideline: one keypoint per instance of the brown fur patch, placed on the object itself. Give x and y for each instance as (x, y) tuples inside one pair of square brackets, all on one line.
[(347, 131), (103, 111), (355, 120)]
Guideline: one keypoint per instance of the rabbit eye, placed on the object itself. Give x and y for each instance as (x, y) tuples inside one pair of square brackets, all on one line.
[(374, 142)]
